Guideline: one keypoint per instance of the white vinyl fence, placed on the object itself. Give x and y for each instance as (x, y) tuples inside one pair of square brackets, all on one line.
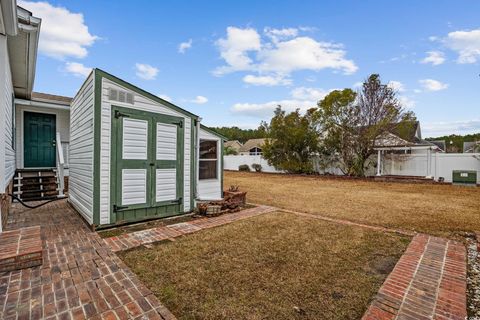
[(441, 164), (232, 162)]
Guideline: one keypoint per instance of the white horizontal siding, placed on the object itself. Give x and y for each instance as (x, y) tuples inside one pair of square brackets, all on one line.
[(8, 153), (211, 189), (187, 176), (81, 150), (144, 104), (166, 141), (166, 184), (134, 186), (135, 139)]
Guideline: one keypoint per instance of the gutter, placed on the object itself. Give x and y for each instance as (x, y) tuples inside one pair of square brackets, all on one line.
[(9, 10)]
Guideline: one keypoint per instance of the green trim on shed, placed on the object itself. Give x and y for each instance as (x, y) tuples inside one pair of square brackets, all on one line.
[(144, 93)]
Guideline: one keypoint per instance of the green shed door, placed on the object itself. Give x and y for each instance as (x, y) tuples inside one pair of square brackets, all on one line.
[(39, 140), (147, 162)]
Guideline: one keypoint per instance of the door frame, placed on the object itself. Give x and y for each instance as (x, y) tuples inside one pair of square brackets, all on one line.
[(115, 139), (22, 134)]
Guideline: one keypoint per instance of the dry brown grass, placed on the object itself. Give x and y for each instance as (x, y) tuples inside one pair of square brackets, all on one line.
[(264, 267), (442, 210)]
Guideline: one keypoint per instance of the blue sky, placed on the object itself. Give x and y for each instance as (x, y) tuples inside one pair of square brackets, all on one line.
[(233, 62)]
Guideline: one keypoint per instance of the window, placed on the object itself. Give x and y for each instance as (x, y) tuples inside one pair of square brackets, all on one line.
[(208, 160), (255, 151)]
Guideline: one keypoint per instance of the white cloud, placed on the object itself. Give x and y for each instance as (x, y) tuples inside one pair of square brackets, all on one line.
[(146, 71), (396, 85), (302, 98), (278, 54), (466, 44), (433, 85), (279, 34), (165, 97), (266, 80), (63, 33), (234, 49), (310, 94), (199, 100), (407, 102), (433, 129), (184, 46), (434, 57), (77, 69)]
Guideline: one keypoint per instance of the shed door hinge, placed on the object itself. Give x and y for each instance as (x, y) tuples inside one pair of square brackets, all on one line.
[(180, 124), (118, 114), (119, 208), (178, 201)]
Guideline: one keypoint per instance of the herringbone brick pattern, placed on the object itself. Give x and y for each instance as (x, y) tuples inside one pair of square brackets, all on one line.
[(138, 238), (80, 277), (428, 282)]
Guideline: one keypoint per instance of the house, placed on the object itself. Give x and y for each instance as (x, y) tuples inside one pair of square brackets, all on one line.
[(234, 145), (122, 153), (471, 147), (252, 147), (405, 140)]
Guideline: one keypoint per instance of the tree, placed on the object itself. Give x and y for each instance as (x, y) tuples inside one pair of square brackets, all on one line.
[(292, 140), (353, 121), (229, 151), (242, 135)]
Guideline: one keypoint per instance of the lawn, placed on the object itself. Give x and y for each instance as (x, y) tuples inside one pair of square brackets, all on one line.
[(274, 266), (442, 210)]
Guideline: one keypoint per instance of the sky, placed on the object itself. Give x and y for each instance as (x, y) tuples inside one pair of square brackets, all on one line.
[(232, 62)]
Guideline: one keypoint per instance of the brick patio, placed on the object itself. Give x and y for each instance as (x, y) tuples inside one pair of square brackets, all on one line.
[(80, 278), (428, 282), (134, 239)]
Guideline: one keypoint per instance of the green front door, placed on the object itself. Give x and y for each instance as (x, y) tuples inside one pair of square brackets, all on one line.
[(147, 162), (39, 140)]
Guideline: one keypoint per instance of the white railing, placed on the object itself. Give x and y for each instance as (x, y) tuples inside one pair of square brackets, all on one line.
[(60, 165)]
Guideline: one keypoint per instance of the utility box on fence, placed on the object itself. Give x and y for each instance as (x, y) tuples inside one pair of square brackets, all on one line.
[(467, 177)]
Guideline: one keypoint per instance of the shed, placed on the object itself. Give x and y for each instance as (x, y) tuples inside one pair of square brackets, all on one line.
[(133, 155)]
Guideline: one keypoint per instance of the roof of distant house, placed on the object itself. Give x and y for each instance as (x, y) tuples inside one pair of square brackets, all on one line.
[(231, 143), (51, 98), (252, 143), (469, 146)]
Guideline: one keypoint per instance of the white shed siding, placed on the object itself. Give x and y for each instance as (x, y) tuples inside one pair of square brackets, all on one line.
[(81, 150), (7, 155), (62, 124), (211, 189), (166, 141), (144, 104), (165, 184), (187, 165), (134, 186), (135, 139)]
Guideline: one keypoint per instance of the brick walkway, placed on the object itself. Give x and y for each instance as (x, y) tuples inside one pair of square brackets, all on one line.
[(428, 282), (80, 276), (138, 238)]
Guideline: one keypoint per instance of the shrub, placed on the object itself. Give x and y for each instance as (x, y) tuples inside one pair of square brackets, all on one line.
[(257, 167), (243, 167)]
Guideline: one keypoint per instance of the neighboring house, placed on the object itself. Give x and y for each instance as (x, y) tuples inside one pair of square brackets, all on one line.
[(128, 154), (252, 147), (406, 140), (233, 145), (471, 147)]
